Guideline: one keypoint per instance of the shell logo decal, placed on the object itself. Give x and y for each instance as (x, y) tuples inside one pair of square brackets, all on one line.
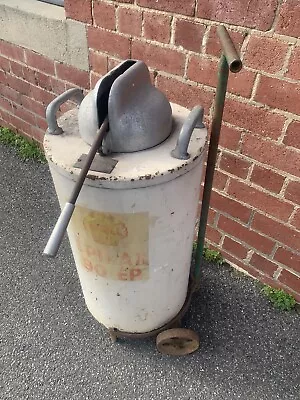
[(111, 245)]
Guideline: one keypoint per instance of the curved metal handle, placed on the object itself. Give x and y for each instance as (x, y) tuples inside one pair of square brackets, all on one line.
[(53, 107), (229, 50), (194, 120)]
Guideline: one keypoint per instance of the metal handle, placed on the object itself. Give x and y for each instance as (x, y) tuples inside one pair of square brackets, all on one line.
[(61, 225), (59, 230), (233, 59), (194, 120), (229, 61), (53, 128)]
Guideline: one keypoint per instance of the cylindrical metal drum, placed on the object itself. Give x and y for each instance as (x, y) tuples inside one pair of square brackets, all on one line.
[(132, 229)]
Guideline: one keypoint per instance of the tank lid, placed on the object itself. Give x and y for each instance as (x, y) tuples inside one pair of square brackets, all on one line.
[(132, 170)]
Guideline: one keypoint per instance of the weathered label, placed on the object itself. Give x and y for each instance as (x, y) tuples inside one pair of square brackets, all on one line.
[(114, 246)]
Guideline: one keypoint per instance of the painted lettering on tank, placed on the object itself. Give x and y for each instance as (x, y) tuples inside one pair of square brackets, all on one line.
[(111, 245)]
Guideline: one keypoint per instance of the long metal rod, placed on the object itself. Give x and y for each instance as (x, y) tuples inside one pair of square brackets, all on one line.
[(61, 225), (88, 161), (230, 60)]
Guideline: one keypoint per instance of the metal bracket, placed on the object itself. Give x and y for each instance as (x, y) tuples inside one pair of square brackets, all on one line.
[(99, 164)]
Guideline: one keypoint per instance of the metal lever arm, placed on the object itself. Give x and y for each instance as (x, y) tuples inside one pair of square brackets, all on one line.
[(59, 230), (53, 107)]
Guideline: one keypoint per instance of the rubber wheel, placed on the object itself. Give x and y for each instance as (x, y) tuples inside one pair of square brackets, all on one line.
[(177, 342)]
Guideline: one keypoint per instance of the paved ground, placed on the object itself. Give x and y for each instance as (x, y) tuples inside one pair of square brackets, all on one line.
[(52, 348)]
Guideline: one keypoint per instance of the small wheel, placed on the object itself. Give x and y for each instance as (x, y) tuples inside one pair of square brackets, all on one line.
[(177, 342)]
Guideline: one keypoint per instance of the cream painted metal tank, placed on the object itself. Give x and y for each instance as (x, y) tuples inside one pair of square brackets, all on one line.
[(132, 230)]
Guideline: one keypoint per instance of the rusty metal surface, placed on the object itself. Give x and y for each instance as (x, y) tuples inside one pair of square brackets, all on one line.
[(99, 163), (177, 342), (174, 322)]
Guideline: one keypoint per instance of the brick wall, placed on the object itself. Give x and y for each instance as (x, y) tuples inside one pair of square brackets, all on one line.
[(255, 213)]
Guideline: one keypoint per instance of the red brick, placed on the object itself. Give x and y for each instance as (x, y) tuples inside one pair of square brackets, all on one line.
[(72, 75), (212, 234), (16, 69), (33, 106), (292, 192), (263, 264), (20, 125), (272, 154), (41, 122), (94, 78), (220, 180), (288, 258), (189, 34), (18, 84), (40, 62), (277, 231), (4, 64), (290, 280), (292, 135), (98, 62), (289, 16), (23, 114), (81, 10), (109, 42), (234, 248), (41, 95), (265, 54), (185, 94), (267, 179), (258, 14), (130, 21), (204, 70), (234, 165), (157, 27), (44, 81), (37, 134), (296, 220), (241, 83), (30, 75), (231, 207), (242, 265), (159, 57), (112, 63), (230, 138), (260, 200), (245, 235), (293, 71), (6, 104), (104, 15), (254, 119), (211, 215), (12, 51), (10, 93), (186, 7), (21, 71), (279, 94), (58, 86), (5, 119), (213, 45)]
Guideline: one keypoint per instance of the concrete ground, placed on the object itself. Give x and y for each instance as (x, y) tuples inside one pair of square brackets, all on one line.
[(52, 348)]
